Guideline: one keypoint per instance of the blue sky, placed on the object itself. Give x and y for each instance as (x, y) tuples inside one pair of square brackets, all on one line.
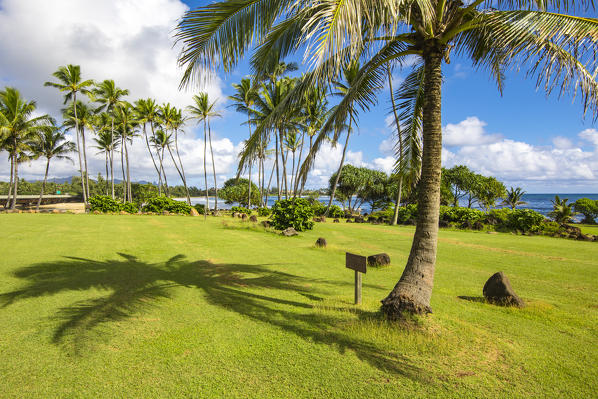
[(523, 138)]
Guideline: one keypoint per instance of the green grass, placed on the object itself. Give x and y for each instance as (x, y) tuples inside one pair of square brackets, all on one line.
[(589, 228), (155, 306)]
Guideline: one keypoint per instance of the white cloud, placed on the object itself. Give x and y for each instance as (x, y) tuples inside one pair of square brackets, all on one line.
[(327, 162), (467, 132), (385, 164), (559, 165), (129, 41)]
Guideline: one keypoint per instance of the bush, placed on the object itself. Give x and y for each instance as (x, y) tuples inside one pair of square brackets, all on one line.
[(241, 209), (406, 213), (525, 220), (460, 215), (589, 209), (497, 217), (294, 212), (264, 211), (129, 207), (104, 203), (160, 204), (200, 208)]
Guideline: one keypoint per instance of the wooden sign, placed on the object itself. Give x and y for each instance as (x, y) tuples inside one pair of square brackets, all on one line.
[(359, 264), (356, 262)]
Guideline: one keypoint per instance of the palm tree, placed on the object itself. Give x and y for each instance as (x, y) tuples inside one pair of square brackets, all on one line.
[(18, 129), (161, 140), (203, 110), (109, 96), (243, 100), (51, 143), (127, 123), (293, 142), (147, 111), (105, 144), (513, 198), (562, 211), (70, 82), (172, 118), (559, 49)]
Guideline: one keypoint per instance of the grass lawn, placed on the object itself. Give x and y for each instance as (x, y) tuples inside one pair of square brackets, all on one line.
[(589, 228), (168, 306)]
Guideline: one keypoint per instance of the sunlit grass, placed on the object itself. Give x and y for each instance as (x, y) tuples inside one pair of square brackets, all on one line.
[(158, 306)]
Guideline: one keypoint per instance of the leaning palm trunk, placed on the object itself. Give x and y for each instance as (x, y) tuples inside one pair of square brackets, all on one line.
[(149, 149), (176, 166), (176, 145), (79, 148), (205, 172), (112, 157), (269, 182), (413, 292), (163, 172), (85, 160), (277, 169), (12, 172), (395, 217), (214, 169), (284, 169), (106, 159), (41, 194), (122, 166), (15, 182), (340, 168), (129, 190), (250, 162)]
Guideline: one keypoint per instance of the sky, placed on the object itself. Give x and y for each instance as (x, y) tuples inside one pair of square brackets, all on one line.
[(524, 138)]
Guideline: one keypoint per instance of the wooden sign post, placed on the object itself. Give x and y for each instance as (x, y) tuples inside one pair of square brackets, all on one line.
[(359, 264)]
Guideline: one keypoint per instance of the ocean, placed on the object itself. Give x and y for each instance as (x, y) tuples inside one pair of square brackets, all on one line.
[(538, 202)]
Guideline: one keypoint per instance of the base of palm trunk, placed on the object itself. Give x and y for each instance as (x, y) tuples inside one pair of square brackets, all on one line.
[(398, 306)]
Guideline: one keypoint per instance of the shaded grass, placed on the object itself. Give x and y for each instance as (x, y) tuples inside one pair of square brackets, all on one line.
[(174, 306)]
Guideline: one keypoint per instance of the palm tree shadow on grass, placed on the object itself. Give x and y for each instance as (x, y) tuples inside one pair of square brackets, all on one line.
[(135, 286)]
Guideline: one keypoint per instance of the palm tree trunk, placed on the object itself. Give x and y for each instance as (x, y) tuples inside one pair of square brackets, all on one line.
[(79, 147), (293, 177), (398, 124), (214, 169), (176, 145), (112, 156), (205, 172), (269, 182), (149, 149), (284, 168), (413, 292), (162, 172), (176, 166), (122, 166), (39, 201), (277, 168), (340, 168), (129, 190), (85, 160), (250, 162), (107, 177), (12, 173), (296, 186), (15, 182)]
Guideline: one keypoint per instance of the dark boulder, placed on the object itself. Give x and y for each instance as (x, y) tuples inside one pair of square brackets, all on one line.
[(266, 223), (235, 214), (244, 216), (317, 219), (478, 225), (321, 242), (336, 221), (349, 221), (382, 259), (253, 218), (498, 290), (289, 232), (443, 223), (359, 219)]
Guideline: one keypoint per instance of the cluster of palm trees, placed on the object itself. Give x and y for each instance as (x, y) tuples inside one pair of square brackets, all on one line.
[(111, 120), (559, 50)]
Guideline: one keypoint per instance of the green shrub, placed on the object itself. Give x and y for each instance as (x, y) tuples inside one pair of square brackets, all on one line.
[(589, 209), (551, 228), (293, 212), (320, 209), (160, 204), (526, 220), (264, 211), (104, 203), (406, 213), (460, 215), (497, 217), (241, 209), (129, 207), (200, 208)]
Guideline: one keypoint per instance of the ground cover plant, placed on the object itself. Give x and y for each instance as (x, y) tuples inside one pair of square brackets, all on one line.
[(149, 306)]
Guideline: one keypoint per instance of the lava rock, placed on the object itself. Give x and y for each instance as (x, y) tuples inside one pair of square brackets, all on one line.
[(498, 290), (266, 223), (243, 216), (194, 212), (321, 242), (336, 221), (253, 218), (289, 232), (382, 259), (443, 223)]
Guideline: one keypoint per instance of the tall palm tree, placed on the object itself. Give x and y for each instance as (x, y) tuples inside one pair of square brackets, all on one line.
[(161, 140), (18, 130), (243, 100), (105, 144), (513, 198), (203, 110), (173, 120), (71, 83), (560, 50), (109, 96), (50, 143), (147, 111), (127, 124), (292, 143), (562, 212)]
